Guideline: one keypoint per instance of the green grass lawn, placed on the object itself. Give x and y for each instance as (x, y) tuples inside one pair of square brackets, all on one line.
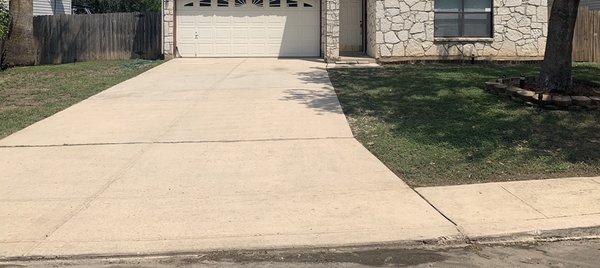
[(29, 94), (435, 125)]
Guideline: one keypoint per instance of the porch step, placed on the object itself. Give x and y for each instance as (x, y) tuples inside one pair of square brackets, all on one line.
[(359, 61), (355, 60)]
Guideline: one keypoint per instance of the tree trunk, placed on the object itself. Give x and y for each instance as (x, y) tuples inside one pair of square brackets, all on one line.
[(20, 47), (555, 75)]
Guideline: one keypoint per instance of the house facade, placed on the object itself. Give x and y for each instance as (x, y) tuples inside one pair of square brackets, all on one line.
[(382, 29), (48, 7)]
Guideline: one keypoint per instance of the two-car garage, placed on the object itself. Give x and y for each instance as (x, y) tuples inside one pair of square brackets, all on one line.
[(247, 28)]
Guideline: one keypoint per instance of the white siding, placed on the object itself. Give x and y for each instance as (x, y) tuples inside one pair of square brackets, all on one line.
[(42, 7), (49, 7)]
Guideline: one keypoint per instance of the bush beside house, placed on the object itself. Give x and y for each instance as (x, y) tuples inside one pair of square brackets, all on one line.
[(4, 28)]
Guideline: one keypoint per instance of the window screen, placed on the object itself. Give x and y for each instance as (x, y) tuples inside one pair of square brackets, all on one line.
[(463, 18)]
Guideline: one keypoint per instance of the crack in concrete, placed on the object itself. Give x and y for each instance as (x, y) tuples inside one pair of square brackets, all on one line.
[(87, 202), (523, 201), (188, 109)]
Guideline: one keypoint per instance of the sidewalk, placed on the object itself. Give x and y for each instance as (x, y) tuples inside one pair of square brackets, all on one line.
[(509, 208)]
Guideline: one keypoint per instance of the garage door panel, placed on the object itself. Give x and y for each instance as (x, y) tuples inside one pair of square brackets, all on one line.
[(205, 35), (222, 18), (204, 50), (275, 19), (238, 19), (239, 35), (222, 50), (247, 31), (256, 19), (222, 34), (187, 50), (275, 34), (257, 34), (256, 50), (239, 49), (207, 18)]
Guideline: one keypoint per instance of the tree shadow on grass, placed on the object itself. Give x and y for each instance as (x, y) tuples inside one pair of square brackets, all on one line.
[(445, 107)]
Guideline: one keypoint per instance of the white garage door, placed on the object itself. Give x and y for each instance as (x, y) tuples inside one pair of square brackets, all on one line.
[(247, 28)]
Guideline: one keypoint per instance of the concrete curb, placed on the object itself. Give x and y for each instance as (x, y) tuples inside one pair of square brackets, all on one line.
[(265, 254)]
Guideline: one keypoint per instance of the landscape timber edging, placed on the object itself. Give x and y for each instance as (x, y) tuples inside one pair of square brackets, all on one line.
[(512, 88)]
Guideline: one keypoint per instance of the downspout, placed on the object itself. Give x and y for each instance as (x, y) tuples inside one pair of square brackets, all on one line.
[(321, 47), (162, 29)]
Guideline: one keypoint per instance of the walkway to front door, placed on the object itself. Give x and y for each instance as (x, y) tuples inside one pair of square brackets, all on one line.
[(201, 154)]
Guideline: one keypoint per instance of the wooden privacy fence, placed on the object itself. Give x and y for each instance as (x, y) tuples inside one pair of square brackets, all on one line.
[(586, 41), (71, 38)]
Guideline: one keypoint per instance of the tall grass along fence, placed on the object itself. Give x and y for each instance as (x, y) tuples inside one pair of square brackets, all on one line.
[(586, 41), (71, 38)]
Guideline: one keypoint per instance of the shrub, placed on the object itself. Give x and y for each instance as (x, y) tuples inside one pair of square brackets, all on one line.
[(4, 21)]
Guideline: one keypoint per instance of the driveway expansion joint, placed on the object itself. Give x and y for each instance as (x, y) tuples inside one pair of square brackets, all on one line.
[(170, 142), (458, 228)]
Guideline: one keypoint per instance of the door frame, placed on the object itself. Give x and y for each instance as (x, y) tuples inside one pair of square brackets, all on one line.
[(364, 31), (365, 24)]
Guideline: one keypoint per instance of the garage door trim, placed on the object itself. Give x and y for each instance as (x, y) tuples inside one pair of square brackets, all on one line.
[(245, 30)]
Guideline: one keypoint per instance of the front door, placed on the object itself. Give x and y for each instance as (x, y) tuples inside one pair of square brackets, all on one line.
[(351, 26)]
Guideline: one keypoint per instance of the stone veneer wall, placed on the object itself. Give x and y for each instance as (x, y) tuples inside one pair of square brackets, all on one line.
[(405, 29), (330, 32), (168, 28)]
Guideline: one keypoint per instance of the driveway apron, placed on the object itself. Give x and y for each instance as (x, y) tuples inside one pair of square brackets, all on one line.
[(203, 154)]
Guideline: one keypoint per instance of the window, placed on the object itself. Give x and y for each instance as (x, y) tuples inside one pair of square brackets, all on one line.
[(205, 3), (258, 3), (292, 3), (255, 3), (463, 18), (222, 3), (190, 4), (275, 3)]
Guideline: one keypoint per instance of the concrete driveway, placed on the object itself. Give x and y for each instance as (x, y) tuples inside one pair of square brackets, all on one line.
[(201, 154)]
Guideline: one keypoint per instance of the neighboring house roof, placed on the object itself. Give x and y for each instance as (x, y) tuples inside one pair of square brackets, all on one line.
[(591, 4), (48, 7)]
